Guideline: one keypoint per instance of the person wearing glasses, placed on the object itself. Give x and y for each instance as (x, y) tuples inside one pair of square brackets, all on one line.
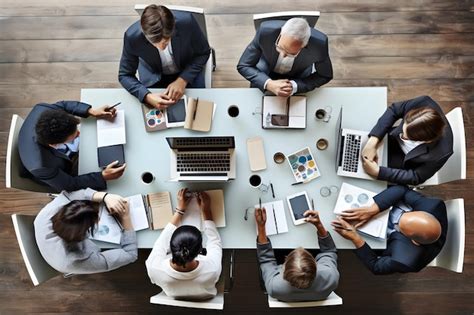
[(169, 50), (285, 58)]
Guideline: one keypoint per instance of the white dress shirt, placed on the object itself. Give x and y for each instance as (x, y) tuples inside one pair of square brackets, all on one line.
[(282, 66), (167, 60), (408, 145)]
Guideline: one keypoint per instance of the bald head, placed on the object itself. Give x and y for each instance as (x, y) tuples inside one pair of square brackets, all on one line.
[(420, 226)]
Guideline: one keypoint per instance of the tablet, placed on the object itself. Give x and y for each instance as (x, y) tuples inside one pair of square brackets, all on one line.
[(298, 205), (176, 114)]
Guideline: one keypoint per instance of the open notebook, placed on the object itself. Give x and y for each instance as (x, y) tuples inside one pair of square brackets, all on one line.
[(276, 219), (192, 216), (284, 112), (351, 196)]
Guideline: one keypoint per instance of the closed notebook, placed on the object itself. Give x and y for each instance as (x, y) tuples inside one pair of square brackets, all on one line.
[(256, 154), (199, 114), (193, 216)]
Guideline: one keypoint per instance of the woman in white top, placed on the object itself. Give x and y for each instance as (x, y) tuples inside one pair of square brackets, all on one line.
[(177, 262)]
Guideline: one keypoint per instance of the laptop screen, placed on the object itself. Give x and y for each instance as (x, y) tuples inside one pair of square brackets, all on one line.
[(201, 143)]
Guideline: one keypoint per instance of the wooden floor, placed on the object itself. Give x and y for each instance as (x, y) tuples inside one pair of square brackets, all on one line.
[(50, 49)]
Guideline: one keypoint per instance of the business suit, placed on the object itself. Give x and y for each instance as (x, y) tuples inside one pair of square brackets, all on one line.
[(50, 166), (423, 161), (260, 57), (402, 255), (327, 275), (190, 53)]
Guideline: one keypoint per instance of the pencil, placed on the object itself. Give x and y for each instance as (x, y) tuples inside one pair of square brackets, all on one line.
[(273, 192)]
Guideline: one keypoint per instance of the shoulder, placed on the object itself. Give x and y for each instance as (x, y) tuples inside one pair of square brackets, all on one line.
[(134, 32), (318, 37)]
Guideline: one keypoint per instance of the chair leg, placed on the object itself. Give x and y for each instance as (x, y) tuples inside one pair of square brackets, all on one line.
[(68, 275), (214, 65), (230, 284)]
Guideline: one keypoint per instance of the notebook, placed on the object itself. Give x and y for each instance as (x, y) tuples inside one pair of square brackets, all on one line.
[(199, 114), (276, 218), (351, 196), (256, 154), (111, 132), (152, 211), (193, 216), (284, 112)]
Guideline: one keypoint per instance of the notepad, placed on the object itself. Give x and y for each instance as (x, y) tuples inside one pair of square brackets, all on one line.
[(351, 196), (111, 132), (284, 112), (199, 114), (276, 218), (256, 154), (193, 216)]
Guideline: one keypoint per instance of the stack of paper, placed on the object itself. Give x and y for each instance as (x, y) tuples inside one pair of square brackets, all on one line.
[(111, 132)]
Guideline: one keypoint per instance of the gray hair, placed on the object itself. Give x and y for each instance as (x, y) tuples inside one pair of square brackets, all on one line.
[(297, 28)]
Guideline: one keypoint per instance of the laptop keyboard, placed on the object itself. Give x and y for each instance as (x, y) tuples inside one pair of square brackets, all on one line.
[(203, 162), (205, 142), (351, 153)]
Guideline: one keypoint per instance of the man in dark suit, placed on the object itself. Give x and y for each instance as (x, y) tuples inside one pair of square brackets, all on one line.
[(417, 148), (48, 145), (286, 58), (169, 50), (417, 230)]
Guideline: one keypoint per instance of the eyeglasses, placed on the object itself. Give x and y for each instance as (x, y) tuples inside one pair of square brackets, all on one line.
[(282, 50)]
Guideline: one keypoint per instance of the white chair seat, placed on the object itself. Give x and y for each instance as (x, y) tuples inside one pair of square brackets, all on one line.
[(332, 299), (216, 303)]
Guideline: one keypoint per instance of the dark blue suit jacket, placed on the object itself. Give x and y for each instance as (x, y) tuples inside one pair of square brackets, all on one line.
[(263, 47), (190, 51), (422, 162), (401, 254), (47, 165)]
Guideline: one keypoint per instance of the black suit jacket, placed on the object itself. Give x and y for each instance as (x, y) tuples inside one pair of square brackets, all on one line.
[(422, 162), (190, 51), (263, 46), (401, 254), (47, 165)]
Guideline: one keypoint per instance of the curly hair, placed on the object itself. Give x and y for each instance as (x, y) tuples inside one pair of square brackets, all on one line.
[(55, 126)]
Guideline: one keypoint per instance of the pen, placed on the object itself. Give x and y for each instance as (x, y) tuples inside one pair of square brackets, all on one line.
[(312, 203), (288, 106), (116, 104), (297, 183), (116, 220), (260, 203), (275, 218), (273, 192), (195, 108)]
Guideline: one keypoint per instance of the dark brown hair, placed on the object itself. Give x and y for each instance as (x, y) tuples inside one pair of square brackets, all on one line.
[(55, 126), (424, 124), (157, 23), (75, 219), (185, 244), (300, 268)]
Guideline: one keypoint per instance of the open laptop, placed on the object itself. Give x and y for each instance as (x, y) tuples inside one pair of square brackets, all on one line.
[(349, 148), (202, 158)]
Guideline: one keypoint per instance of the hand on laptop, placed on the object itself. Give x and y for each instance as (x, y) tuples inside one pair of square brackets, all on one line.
[(370, 167), (175, 89), (281, 87), (113, 171), (360, 215), (159, 101)]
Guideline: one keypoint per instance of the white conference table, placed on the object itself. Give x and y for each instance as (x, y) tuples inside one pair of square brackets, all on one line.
[(150, 152)]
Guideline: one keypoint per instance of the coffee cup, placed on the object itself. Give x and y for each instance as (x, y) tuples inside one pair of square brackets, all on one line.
[(279, 158), (233, 111), (147, 178), (322, 144)]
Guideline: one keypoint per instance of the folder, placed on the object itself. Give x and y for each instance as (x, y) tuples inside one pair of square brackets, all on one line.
[(199, 114)]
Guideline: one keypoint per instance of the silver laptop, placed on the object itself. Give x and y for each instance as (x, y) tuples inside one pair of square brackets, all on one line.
[(202, 158), (349, 148)]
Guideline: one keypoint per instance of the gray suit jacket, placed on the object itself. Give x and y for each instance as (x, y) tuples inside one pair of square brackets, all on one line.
[(327, 276), (262, 51)]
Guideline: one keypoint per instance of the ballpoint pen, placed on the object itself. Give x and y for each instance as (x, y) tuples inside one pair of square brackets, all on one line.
[(195, 108), (312, 203), (260, 203), (116, 104), (273, 192), (275, 218)]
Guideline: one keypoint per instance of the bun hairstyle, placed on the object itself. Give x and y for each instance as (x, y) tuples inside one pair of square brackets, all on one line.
[(424, 124), (75, 219), (185, 244)]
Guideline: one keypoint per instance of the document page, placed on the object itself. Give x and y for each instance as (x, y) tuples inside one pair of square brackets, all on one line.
[(138, 213), (276, 218), (107, 230), (193, 215), (111, 132)]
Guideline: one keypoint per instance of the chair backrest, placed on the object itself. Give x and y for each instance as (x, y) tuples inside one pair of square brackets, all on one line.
[(37, 267), (13, 178), (455, 167), (332, 299), (216, 303), (198, 13), (310, 16), (452, 255)]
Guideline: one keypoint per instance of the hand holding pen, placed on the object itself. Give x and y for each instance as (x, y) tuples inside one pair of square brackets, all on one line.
[(312, 216)]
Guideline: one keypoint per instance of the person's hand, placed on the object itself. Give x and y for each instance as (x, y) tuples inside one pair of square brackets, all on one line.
[(183, 199), (345, 229), (175, 89), (370, 167), (260, 217), (159, 101), (103, 112), (360, 215), (280, 87), (312, 216), (116, 204), (112, 171), (204, 201)]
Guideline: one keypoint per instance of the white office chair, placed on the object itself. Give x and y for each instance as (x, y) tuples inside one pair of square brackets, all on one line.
[(310, 16), (198, 14), (37, 267), (13, 165), (455, 167), (332, 299), (452, 255)]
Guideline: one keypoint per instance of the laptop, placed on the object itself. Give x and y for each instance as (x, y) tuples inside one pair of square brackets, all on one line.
[(202, 158), (350, 143)]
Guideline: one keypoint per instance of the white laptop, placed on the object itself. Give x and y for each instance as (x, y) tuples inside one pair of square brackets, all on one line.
[(350, 143), (202, 158)]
